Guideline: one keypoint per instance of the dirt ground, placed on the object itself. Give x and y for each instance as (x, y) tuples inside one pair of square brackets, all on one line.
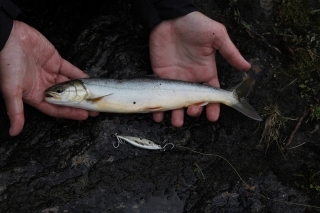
[(59, 165)]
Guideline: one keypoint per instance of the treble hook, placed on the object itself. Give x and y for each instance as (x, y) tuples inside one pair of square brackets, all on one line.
[(119, 141), (164, 147)]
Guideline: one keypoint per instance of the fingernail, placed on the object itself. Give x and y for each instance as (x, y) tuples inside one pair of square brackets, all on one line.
[(10, 130)]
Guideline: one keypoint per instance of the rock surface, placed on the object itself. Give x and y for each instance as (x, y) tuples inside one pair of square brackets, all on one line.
[(58, 165)]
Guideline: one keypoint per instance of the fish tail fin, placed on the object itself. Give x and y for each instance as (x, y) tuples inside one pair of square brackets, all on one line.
[(240, 92)]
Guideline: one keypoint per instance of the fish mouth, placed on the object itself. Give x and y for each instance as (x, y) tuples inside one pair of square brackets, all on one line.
[(52, 96)]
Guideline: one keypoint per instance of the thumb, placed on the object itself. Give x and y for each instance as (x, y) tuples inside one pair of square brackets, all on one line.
[(15, 112)]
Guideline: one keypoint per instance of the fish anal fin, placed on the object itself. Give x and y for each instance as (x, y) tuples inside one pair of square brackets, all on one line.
[(153, 109), (200, 103)]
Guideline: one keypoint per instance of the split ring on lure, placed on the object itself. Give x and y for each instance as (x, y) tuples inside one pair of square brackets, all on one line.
[(141, 143)]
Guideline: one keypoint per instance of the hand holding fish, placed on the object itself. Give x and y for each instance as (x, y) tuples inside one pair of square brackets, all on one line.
[(29, 64), (184, 49)]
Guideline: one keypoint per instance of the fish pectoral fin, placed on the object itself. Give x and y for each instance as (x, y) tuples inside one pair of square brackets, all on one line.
[(97, 99)]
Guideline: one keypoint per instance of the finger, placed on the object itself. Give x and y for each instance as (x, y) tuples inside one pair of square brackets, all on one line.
[(63, 111), (71, 71), (15, 112), (93, 114), (213, 112), (194, 111), (228, 50), (177, 117), (61, 78), (158, 116), (233, 56), (214, 82)]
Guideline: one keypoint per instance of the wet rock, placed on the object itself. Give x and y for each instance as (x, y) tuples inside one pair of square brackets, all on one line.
[(255, 196), (266, 5), (58, 165)]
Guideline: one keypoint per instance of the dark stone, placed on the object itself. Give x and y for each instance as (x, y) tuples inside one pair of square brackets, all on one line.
[(58, 165)]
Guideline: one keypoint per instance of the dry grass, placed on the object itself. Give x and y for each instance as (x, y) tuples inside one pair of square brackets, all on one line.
[(274, 123)]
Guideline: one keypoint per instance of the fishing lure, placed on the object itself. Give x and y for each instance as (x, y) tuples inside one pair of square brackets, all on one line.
[(140, 143)]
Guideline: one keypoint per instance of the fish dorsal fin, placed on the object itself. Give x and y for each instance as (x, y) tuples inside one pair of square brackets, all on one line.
[(143, 76)]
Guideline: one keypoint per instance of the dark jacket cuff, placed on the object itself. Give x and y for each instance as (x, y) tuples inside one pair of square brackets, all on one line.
[(146, 12), (8, 11), (152, 12), (170, 9), (6, 24)]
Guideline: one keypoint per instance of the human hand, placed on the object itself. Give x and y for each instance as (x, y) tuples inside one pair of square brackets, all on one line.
[(29, 64), (184, 49)]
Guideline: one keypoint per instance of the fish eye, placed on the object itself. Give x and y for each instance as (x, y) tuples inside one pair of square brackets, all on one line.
[(59, 89)]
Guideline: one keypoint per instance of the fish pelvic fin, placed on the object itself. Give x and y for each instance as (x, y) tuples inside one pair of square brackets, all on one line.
[(241, 91)]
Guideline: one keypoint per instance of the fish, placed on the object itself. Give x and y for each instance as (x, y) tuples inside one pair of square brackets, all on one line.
[(147, 94)]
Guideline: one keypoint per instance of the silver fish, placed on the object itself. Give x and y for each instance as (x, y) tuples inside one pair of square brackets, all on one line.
[(148, 94)]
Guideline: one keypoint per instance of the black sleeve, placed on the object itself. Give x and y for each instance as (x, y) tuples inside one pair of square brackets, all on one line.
[(152, 12), (8, 11)]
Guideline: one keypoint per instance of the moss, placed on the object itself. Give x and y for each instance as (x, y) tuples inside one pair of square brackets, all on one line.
[(298, 24), (315, 111), (309, 181), (292, 13), (305, 67)]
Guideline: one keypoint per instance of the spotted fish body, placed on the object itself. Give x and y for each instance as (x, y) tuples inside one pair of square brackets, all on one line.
[(142, 95)]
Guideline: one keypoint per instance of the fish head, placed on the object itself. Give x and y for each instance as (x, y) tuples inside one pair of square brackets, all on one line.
[(67, 93)]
